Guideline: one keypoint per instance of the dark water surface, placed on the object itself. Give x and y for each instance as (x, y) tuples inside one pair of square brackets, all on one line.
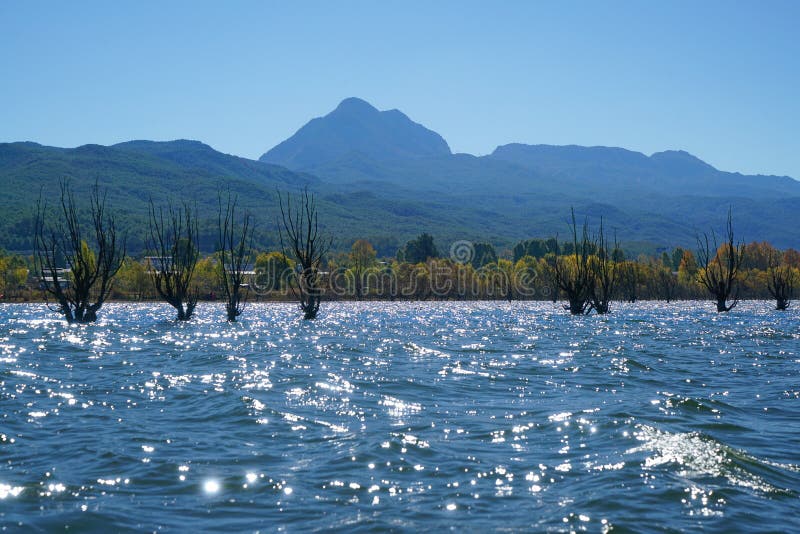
[(474, 416)]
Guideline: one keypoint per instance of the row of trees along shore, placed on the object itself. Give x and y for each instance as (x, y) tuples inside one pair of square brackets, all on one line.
[(80, 262)]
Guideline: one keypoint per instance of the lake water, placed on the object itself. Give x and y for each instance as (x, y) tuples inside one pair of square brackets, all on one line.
[(404, 416)]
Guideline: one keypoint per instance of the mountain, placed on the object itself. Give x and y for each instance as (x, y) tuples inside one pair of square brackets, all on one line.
[(132, 173), (135, 172), (355, 128), (379, 176), (664, 173), (663, 199)]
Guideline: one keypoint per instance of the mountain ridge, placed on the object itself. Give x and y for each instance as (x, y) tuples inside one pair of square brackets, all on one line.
[(418, 185)]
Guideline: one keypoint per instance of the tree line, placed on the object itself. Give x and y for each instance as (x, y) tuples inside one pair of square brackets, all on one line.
[(80, 261)]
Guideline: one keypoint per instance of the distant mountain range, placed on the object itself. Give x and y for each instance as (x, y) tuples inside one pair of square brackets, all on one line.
[(383, 177)]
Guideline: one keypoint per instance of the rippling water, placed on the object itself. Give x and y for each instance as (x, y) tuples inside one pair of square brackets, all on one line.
[(402, 416)]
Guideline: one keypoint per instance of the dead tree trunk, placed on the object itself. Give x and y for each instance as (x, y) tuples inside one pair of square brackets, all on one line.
[(174, 240), (719, 267), (301, 238), (780, 283), (603, 275), (235, 249), (83, 282), (573, 275)]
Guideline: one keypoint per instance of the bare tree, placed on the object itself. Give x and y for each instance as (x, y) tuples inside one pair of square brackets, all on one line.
[(235, 249), (780, 282), (174, 240), (719, 267), (83, 283), (603, 275), (300, 236), (573, 275)]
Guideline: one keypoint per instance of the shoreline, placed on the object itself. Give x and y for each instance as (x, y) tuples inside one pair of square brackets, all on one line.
[(397, 300)]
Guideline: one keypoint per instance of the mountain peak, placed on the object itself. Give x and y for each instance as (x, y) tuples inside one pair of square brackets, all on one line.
[(355, 126), (355, 105)]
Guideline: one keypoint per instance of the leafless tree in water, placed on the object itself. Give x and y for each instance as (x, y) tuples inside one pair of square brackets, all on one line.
[(720, 266), (173, 237), (77, 267), (302, 240), (236, 244), (572, 272), (780, 282)]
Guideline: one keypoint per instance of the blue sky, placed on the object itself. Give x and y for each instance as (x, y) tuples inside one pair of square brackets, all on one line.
[(719, 79)]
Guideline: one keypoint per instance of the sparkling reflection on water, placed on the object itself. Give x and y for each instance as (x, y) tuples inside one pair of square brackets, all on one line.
[(402, 416)]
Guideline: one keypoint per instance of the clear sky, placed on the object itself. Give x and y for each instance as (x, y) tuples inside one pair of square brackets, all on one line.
[(719, 79)]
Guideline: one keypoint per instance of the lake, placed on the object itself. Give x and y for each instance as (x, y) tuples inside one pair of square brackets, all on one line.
[(402, 416)]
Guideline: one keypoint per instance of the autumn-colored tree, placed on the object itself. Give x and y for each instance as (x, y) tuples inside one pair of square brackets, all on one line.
[(206, 278), (13, 275), (362, 259), (687, 270), (629, 279), (547, 272), (666, 284), (758, 256), (791, 257)]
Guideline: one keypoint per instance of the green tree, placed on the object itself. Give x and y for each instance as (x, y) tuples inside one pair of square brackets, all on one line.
[(687, 268), (484, 254), (132, 279), (677, 257), (273, 271), (419, 250)]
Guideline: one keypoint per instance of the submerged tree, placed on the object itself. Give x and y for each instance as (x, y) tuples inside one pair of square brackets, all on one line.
[(236, 244), (603, 275), (573, 274), (174, 240), (719, 267), (77, 268), (300, 236), (780, 282)]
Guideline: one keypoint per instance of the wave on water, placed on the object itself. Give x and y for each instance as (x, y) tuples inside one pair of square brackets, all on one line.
[(401, 416)]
